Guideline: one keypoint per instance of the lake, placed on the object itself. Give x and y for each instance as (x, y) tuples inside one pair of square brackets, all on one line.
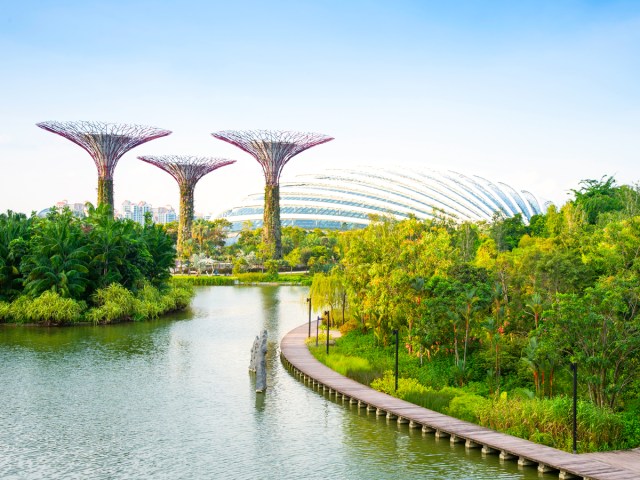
[(173, 399)]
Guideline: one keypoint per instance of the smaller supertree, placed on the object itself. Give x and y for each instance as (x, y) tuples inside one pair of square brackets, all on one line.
[(106, 143), (187, 171)]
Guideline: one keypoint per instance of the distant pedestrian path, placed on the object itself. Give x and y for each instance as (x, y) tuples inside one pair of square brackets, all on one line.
[(602, 466)]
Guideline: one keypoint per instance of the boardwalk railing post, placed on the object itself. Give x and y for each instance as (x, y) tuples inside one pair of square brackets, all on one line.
[(574, 367), (397, 344), (328, 321), (309, 302)]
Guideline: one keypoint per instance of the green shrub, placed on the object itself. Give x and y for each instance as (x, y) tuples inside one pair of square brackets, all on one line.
[(47, 309), (343, 365), (437, 400), (631, 428), (117, 304), (5, 308), (177, 297), (406, 386), (466, 407), (272, 269), (148, 303), (113, 304)]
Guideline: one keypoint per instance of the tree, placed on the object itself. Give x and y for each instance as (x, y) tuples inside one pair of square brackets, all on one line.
[(507, 232), (57, 258), (601, 331), (14, 237), (597, 196)]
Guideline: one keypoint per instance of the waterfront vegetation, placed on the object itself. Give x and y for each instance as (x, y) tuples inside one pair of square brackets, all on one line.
[(205, 253), (244, 279), (62, 270), (491, 316)]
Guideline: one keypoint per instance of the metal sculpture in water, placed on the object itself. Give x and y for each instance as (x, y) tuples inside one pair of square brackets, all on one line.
[(272, 149), (187, 171), (106, 143)]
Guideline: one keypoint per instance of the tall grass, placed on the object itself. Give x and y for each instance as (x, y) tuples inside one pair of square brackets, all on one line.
[(47, 309), (549, 421), (202, 280), (356, 368), (117, 304)]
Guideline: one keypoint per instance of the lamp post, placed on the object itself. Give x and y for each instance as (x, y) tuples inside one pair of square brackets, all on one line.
[(574, 368), (397, 344), (317, 327), (328, 322), (309, 302)]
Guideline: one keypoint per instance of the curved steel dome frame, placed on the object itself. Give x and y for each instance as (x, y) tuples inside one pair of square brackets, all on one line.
[(346, 198)]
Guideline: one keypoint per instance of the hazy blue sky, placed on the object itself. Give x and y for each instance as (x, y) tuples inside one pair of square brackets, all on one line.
[(538, 94)]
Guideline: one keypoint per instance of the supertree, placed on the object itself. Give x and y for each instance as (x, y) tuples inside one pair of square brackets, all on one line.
[(187, 171), (272, 149), (106, 143)]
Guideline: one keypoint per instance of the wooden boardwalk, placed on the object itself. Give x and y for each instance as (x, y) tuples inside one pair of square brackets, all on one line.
[(296, 356)]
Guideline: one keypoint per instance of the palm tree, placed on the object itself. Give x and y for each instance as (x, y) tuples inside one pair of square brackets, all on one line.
[(14, 235), (57, 258)]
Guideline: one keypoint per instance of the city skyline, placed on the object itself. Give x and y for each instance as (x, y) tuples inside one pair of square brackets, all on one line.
[(538, 95)]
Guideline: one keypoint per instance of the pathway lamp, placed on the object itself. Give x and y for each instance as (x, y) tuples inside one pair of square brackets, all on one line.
[(317, 327), (309, 302), (574, 368), (395, 332), (328, 321)]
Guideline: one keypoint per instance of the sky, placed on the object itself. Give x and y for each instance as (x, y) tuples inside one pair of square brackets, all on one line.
[(537, 94)]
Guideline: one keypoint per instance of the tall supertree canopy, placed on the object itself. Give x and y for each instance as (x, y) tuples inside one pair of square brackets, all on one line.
[(106, 143), (187, 171), (272, 149)]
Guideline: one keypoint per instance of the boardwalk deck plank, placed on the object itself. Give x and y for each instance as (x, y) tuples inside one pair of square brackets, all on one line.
[(601, 466)]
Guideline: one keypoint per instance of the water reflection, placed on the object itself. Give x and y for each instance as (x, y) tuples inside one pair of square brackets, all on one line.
[(173, 399)]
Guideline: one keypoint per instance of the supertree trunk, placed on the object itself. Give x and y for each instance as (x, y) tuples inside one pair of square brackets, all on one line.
[(186, 216), (271, 229), (105, 192)]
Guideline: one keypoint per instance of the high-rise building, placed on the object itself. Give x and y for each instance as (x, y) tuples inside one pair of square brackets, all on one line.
[(164, 214), (137, 211)]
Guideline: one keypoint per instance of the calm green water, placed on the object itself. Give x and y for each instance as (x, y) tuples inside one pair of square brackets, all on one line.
[(173, 399)]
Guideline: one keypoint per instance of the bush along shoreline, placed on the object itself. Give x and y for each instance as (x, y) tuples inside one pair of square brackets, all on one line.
[(249, 278), (113, 304)]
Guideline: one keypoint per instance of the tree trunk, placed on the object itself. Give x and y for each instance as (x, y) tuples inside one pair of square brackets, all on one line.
[(271, 232), (186, 217), (105, 192)]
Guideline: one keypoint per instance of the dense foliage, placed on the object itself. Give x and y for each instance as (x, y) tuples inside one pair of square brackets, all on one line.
[(505, 305), (213, 250), (62, 269)]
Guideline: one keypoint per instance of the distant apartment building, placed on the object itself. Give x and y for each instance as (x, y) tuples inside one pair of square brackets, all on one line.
[(130, 210), (137, 212), (78, 209), (164, 214)]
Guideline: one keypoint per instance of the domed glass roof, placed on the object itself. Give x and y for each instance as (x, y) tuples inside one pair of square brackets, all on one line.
[(346, 198)]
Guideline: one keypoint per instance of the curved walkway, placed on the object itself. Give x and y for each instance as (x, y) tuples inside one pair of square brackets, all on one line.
[(296, 356)]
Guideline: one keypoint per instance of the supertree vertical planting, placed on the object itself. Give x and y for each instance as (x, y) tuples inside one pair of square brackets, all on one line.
[(187, 171), (106, 143), (272, 149)]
